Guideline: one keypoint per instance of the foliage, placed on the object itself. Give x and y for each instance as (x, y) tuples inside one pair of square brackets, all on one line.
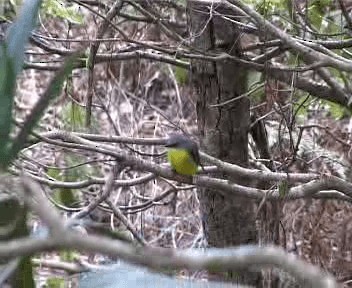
[(283, 188), (9, 9), (323, 18), (255, 87), (11, 63), (59, 9), (63, 196), (129, 36), (181, 75), (337, 111), (317, 12), (74, 117), (55, 282), (68, 256), (7, 87), (75, 171)]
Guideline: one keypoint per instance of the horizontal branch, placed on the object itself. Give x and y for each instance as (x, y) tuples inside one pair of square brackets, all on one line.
[(211, 260), (316, 182), (151, 51), (223, 166), (307, 52), (234, 259)]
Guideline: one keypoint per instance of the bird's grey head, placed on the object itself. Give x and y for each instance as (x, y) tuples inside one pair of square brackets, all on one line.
[(179, 141)]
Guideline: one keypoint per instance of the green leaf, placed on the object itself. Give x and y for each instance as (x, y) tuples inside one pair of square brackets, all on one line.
[(55, 282), (59, 9), (253, 78), (74, 171), (20, 31), (255, 87), (181, 75), (267, 7), (333, 25), (64, 196), (74, 117), (283, 188), (24, 277), (9, 9), (68, 255), (337, 111), (316, 14), (11, 62), (7, 88)]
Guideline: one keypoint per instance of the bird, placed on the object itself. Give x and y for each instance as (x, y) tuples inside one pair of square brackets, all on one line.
[(183, 154)]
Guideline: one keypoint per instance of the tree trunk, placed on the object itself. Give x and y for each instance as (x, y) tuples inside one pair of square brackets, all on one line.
[(223, 129)]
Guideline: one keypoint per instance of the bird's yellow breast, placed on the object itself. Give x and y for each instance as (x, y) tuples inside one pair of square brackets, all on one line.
[(182, 162)]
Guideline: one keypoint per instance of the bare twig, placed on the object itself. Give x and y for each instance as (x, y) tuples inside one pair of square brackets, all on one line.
[(223, 260)]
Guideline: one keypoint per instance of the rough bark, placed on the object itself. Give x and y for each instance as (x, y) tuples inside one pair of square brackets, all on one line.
[(223, 129)]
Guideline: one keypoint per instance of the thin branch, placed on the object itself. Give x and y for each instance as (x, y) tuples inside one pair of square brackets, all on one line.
[(70, 268), (116, 7), (220, 260), (109, 185), (307, 53), (40, 204), (316, 184), (119, 215)]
